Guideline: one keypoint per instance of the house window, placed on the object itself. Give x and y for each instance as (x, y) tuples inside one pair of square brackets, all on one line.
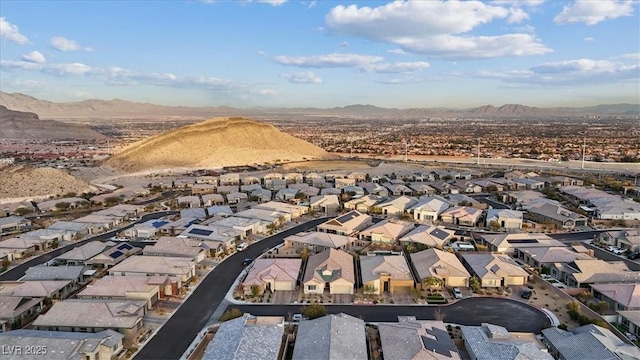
[(311, 287)]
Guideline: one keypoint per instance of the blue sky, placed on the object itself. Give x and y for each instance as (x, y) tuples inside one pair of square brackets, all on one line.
[(324, 53)]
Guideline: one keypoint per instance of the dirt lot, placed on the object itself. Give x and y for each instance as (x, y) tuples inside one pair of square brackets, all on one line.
[(329, 165)]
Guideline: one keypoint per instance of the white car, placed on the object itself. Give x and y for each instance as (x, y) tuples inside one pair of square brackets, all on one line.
[(616, 250), (457, 293), (242, 246)]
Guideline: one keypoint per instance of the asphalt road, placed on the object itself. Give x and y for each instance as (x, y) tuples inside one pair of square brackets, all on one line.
[(513, 315), (494, 204), (175, 336), (19, 271), (609, 256)]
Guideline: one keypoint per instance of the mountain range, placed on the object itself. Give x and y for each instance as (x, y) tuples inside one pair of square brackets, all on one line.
[(27, 125), (122, 108)]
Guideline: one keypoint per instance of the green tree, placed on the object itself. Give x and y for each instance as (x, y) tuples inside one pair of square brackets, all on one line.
[(70, 194), (313, 311), (369, 289), (55, 244), (584, 296), (494, 225), (474, 284), (432, 282), (231, 314), (304, 254), (255, 291), (112, 200), (23, 211), (63, 206)]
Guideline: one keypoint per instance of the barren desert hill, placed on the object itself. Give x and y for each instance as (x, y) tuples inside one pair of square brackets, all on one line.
[(215, 143), (27, 125), (29, 182)]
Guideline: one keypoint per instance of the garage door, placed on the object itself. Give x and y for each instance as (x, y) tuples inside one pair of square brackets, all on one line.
[(341, 289), (401, 289)]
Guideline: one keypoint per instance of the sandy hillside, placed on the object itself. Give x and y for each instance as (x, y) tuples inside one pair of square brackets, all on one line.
[(27, 182), (215, 143), (27, 125)]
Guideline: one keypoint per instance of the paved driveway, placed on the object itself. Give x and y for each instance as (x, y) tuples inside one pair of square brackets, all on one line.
[(284, 296)]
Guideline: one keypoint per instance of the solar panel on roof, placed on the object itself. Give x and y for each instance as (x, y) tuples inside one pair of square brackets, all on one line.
[(159, 223), (116, 254), (439, 233), (125, 247), (346, 217), (523, 241), (441, 344), (201, 232)]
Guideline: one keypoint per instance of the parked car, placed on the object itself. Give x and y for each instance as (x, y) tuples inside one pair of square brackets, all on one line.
[(634, 255), (457, 293), (242, 246), (297, 317), (616, 250), (526, 294)]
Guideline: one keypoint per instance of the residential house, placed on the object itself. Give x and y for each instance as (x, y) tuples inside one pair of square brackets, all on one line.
[(494, 270), (122, 288), (80, 229), (373, 188), (99, 223), (13, 224), (359, 176), (428, 209), (421, 188), (619, 297), (212, 199), (272, 275), (87, 346), (504, 219), (247, 338), (386, 231), (237, 198), (123, 316), (319, 241), (413, 339), (247, 227), (49, 235), (442, 265), (331, 337), (330, 191), (230, 179), (251, 186), (530, 184), (276, 184), (346, 224), (145, 230), (331, 270), (326, 204), (462, 216), (388, 274), (354, 191), (628, 239), (294, 211), (508, 243), (341, 183), (17, 311), (177, 267), (121, 212), (444, 188), (189, 201), (311, 177), (428, 235), (567, 181), (424, 176), (558, 216), (76, 274), (176, 247), (286, 194), (631, 320), (271, 217), (465, 200), (399, 189), (294, 178), (202, 189), (226, 236), (467, 187), (496, 342), (261, 195), (585, 273), (546, 257), (113, 256), (70, 202), (80, 254), (219, 210), (397, 206), (21, 247), (587, 342), (363, 204), (53, 289)]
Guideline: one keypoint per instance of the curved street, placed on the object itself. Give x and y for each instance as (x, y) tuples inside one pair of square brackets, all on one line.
[(512, 314), (19, 271)]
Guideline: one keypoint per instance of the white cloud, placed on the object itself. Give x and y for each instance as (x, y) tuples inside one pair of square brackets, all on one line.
[(592, 12), (335, 60), (397, 67), (264, 92), (519, 3), (436, 28), (306, 77), (64, 44), (569, 72), (10, 32), (401, 81), (589, 39), (34, 57), (397, 52)]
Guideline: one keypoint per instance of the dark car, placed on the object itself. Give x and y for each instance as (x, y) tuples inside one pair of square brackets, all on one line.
[(634, 256), (526, 294), (247, 261)]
